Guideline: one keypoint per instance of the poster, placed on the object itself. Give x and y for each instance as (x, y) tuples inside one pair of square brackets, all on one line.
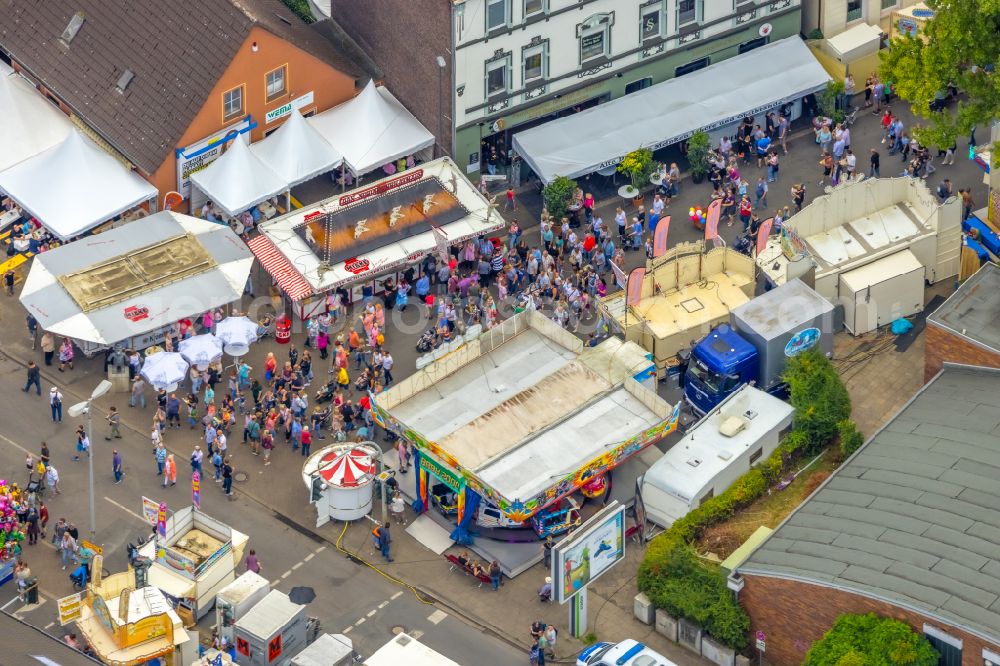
[(199, 155), (196, 489), (161, 520), (595, 548), (151, 510)]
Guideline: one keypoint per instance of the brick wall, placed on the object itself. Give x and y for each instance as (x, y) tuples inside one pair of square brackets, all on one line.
[(793, 615), (944, 346), (404, 38)]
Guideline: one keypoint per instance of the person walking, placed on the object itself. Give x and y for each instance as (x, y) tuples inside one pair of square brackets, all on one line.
[(32, 329), (169, 470), (34, 378), (52, 479), (397, 507), (253, 562), (227, 476), (82, 443), (48, 347), (138, 393), (117, 467), (305, 439), (160, 456), (547, 546), (8, 281), (32, 519), (495, 574), (65, 355), (55, 402), (67, 549), (57, 532), (385, 541), (197, 456), (114, 423)]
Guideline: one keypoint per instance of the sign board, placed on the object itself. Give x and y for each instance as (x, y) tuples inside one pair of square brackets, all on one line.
[(199, 155), (196, 489), (761, 638), (285, 109), (86, 544), (150, 509), (594, 548), (69, 608), (760, 645)]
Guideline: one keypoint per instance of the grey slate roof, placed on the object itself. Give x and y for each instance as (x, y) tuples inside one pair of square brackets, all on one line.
[(913, 517), (176, 49), (973, 311)]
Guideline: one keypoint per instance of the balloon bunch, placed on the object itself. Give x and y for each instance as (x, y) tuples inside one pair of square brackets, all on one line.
[(697, 216), (9, 533)]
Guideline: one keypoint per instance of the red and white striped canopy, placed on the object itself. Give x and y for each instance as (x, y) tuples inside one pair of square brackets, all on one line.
[(347, 469), (274, 262)]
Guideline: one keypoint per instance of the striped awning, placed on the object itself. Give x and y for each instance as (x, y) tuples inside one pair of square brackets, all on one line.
[(274, 262)]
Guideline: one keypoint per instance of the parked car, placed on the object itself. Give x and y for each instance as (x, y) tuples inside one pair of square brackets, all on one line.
[(626, 653)]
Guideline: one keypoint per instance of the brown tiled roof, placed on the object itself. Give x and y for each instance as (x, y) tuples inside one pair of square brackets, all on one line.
[(176, 49)]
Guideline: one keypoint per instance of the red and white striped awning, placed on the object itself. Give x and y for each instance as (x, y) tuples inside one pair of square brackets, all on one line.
[(347, 469), (274, 262)]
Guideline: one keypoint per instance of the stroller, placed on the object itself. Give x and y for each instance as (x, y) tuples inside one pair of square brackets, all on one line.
[(79, 577), (35, 485)]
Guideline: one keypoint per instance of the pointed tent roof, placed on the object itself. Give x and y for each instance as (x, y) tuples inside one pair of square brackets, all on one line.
[(31, 124), (296, 151), (238, 180), (372, 129), (347, 469), (74, 186)]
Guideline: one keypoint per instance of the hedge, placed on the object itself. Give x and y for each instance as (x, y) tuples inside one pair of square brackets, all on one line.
[(672, 576), (872, 641), (301, 9)]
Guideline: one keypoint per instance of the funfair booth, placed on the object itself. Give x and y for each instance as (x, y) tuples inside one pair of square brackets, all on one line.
[(129, 285), (357, 240), (522, 416)]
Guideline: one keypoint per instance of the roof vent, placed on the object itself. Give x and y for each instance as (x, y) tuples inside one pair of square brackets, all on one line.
[(403, 639), (124, 80), (694, 462), (75, 23), (731, 426)]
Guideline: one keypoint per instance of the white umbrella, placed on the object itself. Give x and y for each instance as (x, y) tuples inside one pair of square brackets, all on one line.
[(236, 331), (164, 369), (201, 350)]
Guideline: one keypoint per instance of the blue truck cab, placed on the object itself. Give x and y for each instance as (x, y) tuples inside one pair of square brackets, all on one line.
[(721, 363)]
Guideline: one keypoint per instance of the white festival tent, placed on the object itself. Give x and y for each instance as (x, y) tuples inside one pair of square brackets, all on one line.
[(296, 151), (372, 129), (238, 180), (74, 186), (663, 114), (31, 124)]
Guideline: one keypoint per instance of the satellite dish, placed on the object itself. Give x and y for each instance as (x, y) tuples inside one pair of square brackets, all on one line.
[(236, 349)]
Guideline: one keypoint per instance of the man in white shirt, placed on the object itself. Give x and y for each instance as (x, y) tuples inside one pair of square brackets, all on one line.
[(387, 368)]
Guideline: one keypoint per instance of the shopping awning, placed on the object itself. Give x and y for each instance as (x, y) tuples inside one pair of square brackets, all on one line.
[(666, 113), (74, 186), (280, 268), (296, 151), (238, 180)]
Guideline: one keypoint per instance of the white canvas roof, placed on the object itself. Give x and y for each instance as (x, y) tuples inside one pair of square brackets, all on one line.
[(372, 129), (74, 186), (238, 180), (31, 124), (671, 111), (859, 40), (296, 151), (57, 310)]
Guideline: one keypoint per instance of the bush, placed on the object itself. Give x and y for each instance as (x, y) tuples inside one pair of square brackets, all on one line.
[(850, 439), (557, 195), (873, 641), (828, 100), (698, 146), (818, 396), (301, 9), (638, 166)]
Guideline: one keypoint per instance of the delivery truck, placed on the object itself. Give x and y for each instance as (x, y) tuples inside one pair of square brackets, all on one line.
[(755, 346)]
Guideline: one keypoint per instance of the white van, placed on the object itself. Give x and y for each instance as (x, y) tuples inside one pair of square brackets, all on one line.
[(626, 653)]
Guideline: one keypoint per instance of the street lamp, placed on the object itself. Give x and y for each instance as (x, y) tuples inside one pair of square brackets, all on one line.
[(84, 408), (441, 66)]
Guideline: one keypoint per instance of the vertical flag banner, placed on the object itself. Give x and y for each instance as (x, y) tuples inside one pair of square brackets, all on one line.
[(763, 233), (196, 490), (620, 278), (633, 293), (660, 237), (161, 520), (712, 220)]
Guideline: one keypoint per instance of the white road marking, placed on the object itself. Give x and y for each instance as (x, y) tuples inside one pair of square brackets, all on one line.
[(319, 550), (4, 607), (347, 631), (436, 616), (360, 622), (286, 575), (128, 510), (396, 596), (370, 613), (14, 444), (383, 604), (309, 557), (296, 566), (48, 625)]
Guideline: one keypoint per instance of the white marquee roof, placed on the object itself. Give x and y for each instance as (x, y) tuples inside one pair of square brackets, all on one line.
[(296, 151), (238, 180), (31, 124)]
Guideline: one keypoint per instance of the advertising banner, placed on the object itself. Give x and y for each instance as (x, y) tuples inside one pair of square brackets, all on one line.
[(199, 155), (596, 546)]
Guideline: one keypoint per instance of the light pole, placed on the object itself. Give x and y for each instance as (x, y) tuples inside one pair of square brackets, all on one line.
[(441, 66), (85, 408)]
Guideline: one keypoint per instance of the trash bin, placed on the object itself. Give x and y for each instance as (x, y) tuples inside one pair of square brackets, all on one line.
[(31, 590), (282, 330)]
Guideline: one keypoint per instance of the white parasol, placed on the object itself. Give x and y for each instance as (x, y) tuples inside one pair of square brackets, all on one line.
[(201, 350), (236, 331), (164, 370)]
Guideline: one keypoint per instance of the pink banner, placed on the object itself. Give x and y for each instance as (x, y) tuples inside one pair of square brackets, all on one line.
[(763, 233), (660, 236), (712, 219), (634, 292)]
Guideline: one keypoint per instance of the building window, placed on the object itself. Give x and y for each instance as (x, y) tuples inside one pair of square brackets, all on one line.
[(532, 7), (689, 11), (701, 63), (854, 10), (752, 44), (497, 14), (889, 4), (949, 647), (709, 495), (638, 85), (497, 77), (534, 64), (276, 83), (651, 22), (232, 103), (595, 37), (755, 456)]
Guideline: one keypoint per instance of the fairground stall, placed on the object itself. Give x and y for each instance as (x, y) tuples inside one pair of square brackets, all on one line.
[(129, 285), (522, 416), (353, 242)]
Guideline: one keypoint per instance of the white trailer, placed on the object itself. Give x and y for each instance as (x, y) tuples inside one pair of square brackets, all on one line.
[(404, 649), (743, 430), (236, 599)]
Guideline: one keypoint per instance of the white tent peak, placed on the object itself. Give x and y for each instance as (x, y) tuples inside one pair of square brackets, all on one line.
[(296, 151), (31, 124), (238, 180)]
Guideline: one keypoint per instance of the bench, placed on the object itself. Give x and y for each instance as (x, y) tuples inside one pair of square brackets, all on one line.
[(467, 570)]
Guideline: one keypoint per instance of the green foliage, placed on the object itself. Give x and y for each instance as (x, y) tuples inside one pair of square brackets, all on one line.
[(815, 33), (818, 396), (301, 9), (850, 439), (872, 641), (826, 100), (698, 146), (557, 195), (589, 638), (638, 166)]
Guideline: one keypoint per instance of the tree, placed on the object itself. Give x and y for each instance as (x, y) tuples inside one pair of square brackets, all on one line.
[(557, 194), (638, 166), (873, 641), (698, 147), (958, 46), (819, 397)]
